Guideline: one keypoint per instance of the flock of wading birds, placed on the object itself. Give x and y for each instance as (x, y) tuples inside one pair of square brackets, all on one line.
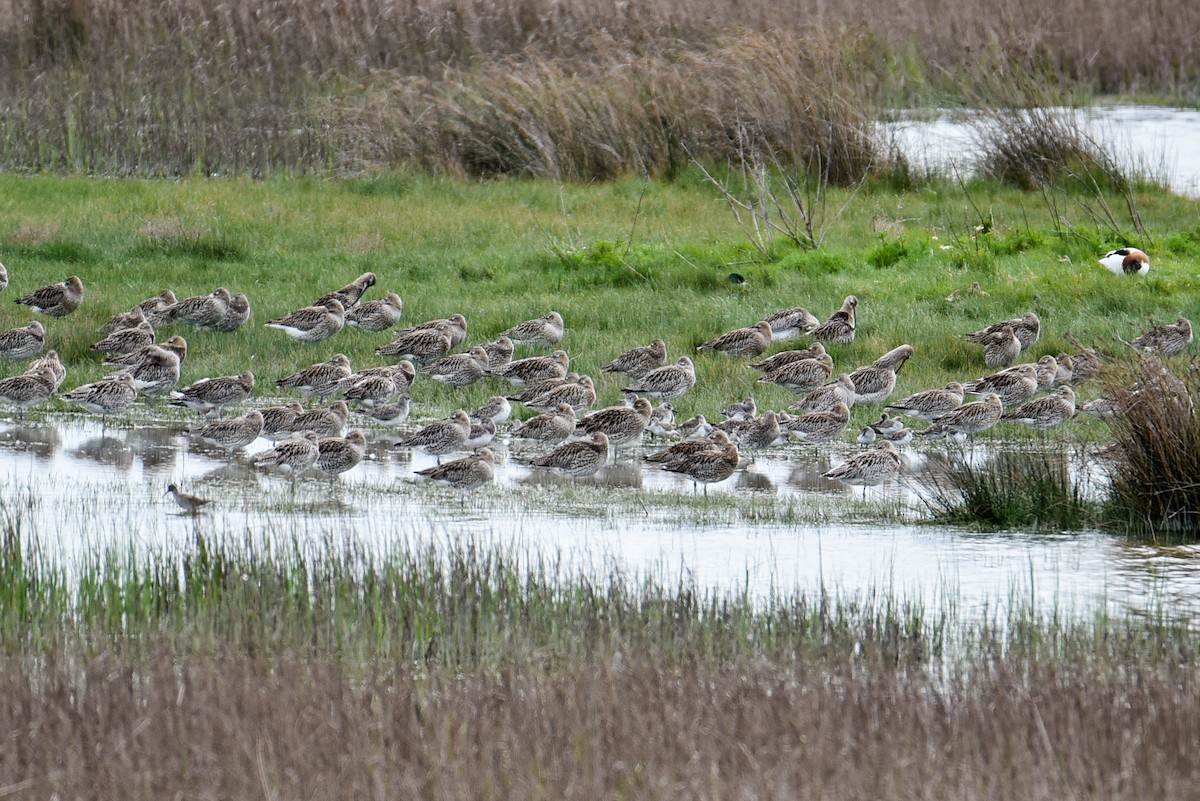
[(581, 441)]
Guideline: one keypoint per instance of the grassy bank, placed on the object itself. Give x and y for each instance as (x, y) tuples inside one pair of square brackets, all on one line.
[(227, 670), (623, 262)]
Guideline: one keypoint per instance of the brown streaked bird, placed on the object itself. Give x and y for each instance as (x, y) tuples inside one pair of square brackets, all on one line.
[(1047, 371), (130, 319), (52, 363), (197, 310), (577, 459), (741, 410), (372, 390), (545, 330), (1167, 340), (327, 421), (783, 358), (376, 315), (1027, 328), (466, 474), (176, 346), (459, 369), (27, 390), (23, 342), (126, 340), (623, 425), (233, 433), (840, 328), (694, 427), (752, 341), (454, 326), (402, 374), (874, 382), (972, 418), (277, 420), (1000, 348), (55, 300), (667, 382), (156, 373), (801, 376), (499, 351), (319, 380), (681, 450), (497, 409), (636, 362), (337, 455), (524, 372), (790, 323), (825, 397), (292, 456), (1010, 386), (708, 466), (549, 427), (158, 302), (111, 395), (1046, 412), (191, 504), (441, 436), (236, 315), (420, 346), (312, 323), (212, 396), (349, 295), (820, 426), (579, 396), (868, 468), (930, 404), (389, 414)]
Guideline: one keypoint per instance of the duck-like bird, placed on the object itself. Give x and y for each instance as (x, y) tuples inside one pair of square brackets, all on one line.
[(1126, 261)]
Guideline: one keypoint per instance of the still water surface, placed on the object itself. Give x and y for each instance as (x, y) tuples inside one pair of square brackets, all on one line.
[(776, 526)]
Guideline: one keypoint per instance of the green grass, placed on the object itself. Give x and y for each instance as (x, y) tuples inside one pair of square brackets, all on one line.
[(624, 262)]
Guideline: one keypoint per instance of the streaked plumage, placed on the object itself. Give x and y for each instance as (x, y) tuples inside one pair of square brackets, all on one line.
[(1126, 261), (694, 427), (213, 395), (337, 455), (160, 301), (576, 459), (971, 418), (497, 409), (480, 435), (760, 433), (579, 396), (320, 380), (27, 390), (1010, 386), (176, 345), (783, 358), (55, 300), (402, 374), (126, 340), (441, 436), (111, 395), (689, 447), (1047, 371), (636, 362), (198, 310), (327, 421), (376, 315), (372, 390), (1001, 348), (233, 433), (460, 369), (524, 372), (1027, 329), (312, 323), (421, 346), (52, 363), (130, 319), (454, 326), (839, 329), (546, 330), (874, 382), (751, 341), (277, 420), (499, 351), (668, 382), (23, 342), (825, 397), (550, 427), (931, 403), (349, 295), (820, 426), (1167, 340), (543, 386), (868, 468), (741, 410), (1046, 412), (623, 425), (801, 376), (791, 323), (185, 501), (708, 466), (1085, 365), (466, 474), (237, 313), (294, 455), (389, 414), (157, 373)]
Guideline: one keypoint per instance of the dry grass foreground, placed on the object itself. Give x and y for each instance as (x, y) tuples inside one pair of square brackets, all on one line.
[(235, 727)]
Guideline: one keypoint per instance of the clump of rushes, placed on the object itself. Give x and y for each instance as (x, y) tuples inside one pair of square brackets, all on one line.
[(1155, 456), (1012, 489)]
